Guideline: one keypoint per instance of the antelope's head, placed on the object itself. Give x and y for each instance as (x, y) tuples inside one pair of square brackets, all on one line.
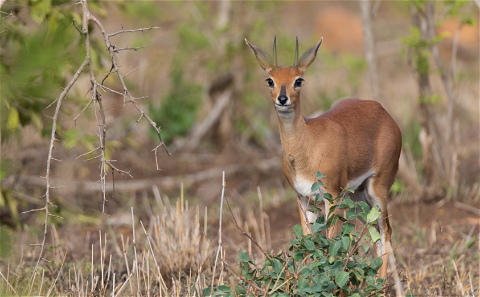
[(285, 82)]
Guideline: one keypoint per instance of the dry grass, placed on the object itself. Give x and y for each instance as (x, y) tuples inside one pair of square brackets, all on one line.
[(169, 255)]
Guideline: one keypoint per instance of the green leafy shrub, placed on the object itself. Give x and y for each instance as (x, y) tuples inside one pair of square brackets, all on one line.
[(178, 109), (315, 265)]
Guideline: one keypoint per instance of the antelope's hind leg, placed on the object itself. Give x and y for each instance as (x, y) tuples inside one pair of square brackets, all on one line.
[(377, 195)]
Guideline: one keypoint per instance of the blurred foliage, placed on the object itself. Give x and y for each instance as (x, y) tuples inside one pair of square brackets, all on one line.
[(178, 110), (6, 242), (418, 48), (410, 136), (34, 64), (204, 52)]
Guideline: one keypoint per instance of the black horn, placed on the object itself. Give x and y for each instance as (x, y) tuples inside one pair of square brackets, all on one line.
[(275, 51), (295, 62)]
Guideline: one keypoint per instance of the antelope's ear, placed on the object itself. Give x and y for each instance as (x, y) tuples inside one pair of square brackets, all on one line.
[(307, 58), (262, 57)]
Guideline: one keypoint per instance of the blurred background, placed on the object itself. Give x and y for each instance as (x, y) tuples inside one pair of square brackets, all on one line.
[(205, 89)]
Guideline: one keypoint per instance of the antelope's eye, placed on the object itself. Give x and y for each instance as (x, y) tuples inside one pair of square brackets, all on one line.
[(298, 83), (270, 82)]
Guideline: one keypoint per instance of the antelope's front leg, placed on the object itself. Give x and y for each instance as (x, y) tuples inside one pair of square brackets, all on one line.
[(307, 217)]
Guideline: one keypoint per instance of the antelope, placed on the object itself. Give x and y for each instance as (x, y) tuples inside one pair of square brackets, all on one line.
[(355, 144)]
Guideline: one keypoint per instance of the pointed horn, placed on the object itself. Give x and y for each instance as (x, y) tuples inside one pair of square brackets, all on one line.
[(275, 51), (295, 62)]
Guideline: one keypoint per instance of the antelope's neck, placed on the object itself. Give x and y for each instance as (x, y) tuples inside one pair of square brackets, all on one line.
[(293, 131)]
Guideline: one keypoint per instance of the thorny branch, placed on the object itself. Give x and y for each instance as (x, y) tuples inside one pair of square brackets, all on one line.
[(101, 122), (49, 162), (126, 92)]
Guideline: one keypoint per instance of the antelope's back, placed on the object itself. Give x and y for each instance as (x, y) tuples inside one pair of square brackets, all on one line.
[(369, 134)]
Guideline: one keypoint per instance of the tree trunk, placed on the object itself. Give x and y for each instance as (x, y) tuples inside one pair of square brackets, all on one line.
[(370, 53)]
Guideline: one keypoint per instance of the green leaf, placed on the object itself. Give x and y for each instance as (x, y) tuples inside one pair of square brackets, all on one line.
[(329, 287), (328, 196), (331, 259), (315, 186), (351, 215), (374, 214), (298, 231), (224, 289), (302, 283), (347, 203), (345, 242), (364, 206), (332, 220), (309, 244), (333, 251), (341, 279), (306, 272), (298, 254), (377, 263), (320, 175), (277, 265), (208, 291), (318, 227), (240, 290), (366, 247), (362, 215), (374, 233), (244, 267), (347, 228), (243, 257)]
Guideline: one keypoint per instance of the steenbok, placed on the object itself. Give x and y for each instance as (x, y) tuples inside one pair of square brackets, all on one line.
[(356, 144)]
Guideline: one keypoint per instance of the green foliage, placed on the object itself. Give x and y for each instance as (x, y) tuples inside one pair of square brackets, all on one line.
[(178, 110), (356, 67), (6, 242), (455, 6), (397, 187), (34, 64), (420, 48), (315, 265)]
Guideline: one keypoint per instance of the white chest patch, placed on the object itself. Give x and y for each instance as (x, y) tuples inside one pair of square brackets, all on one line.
[(303, 187)]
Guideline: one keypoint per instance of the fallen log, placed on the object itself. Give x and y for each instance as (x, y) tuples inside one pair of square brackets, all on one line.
[(165, 182)]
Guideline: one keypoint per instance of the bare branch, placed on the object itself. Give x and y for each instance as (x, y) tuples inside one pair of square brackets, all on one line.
[(129, 31), (9, 15), (33, 210), (128, 49), (136, 122), (115, 65), (88, 104), (49, 159), (122, 172), (131, 71), (101, 122), (88, 153)]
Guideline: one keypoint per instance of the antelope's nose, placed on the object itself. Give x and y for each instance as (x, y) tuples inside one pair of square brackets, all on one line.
[(282, 99)]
